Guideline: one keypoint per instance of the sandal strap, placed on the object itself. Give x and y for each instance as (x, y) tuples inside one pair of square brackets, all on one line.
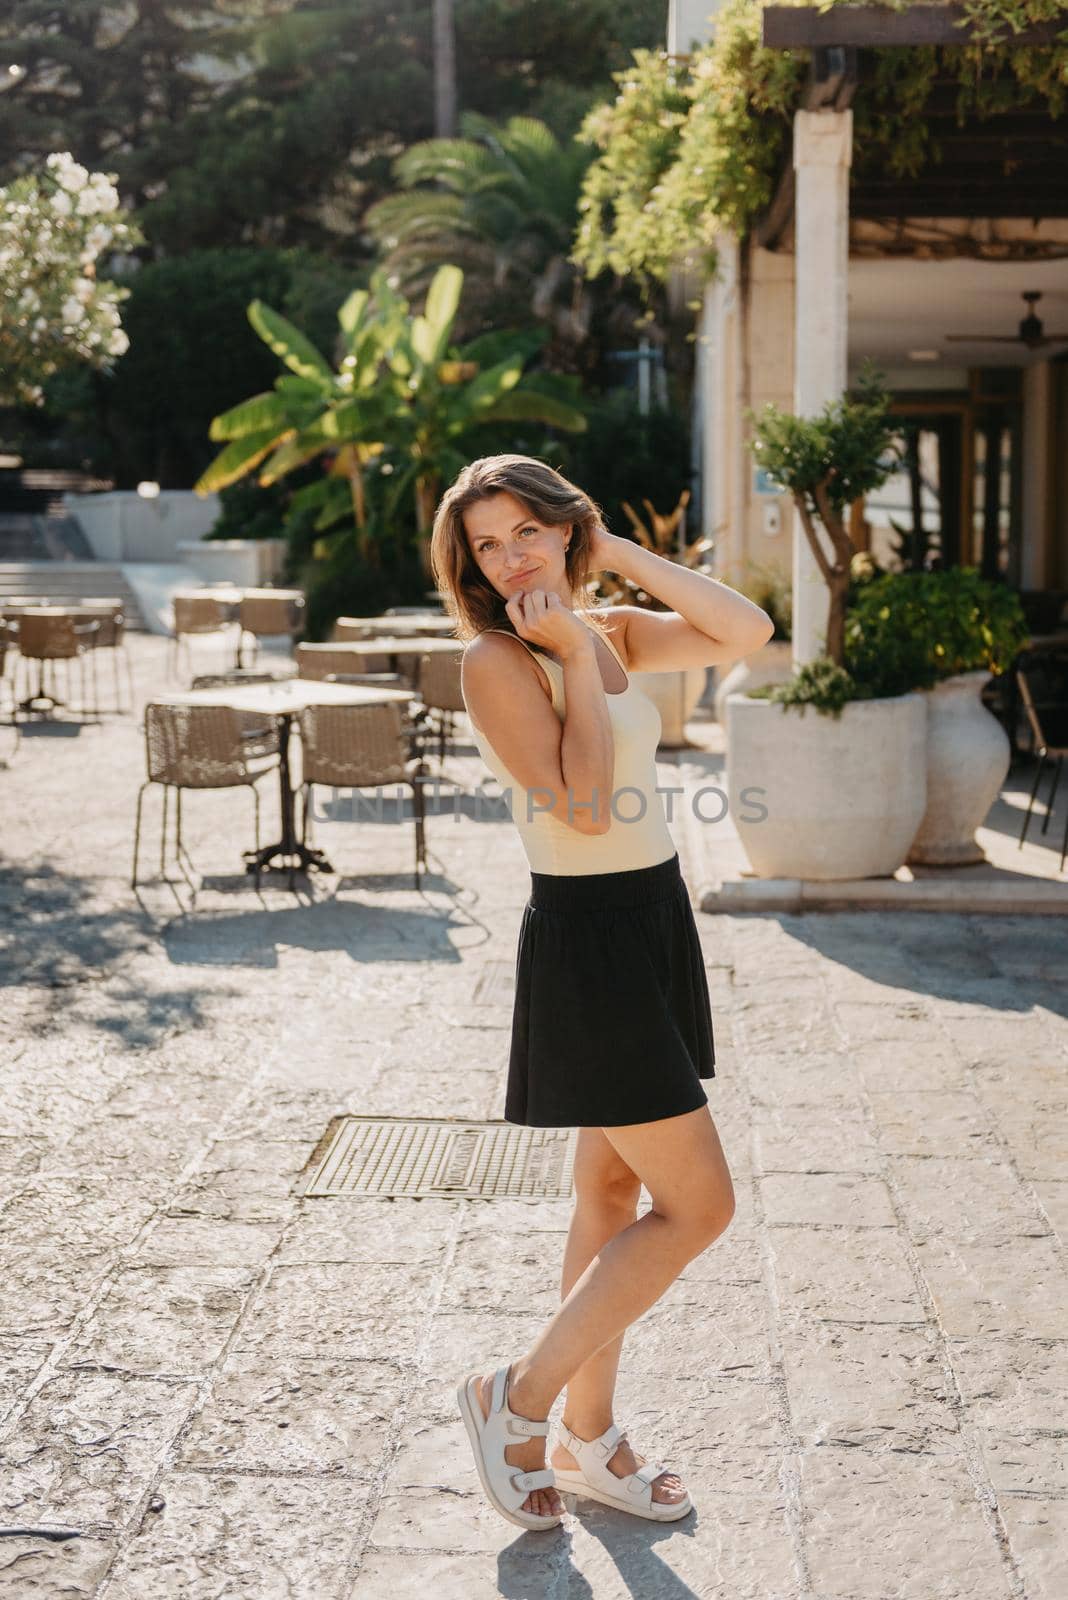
[(542, 1478), (527, 1427)]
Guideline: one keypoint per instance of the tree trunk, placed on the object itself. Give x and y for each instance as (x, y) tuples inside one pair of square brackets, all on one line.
[(444, 70)]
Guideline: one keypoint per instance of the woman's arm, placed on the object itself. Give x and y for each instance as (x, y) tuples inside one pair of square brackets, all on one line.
[(709, 624), (565, 770)]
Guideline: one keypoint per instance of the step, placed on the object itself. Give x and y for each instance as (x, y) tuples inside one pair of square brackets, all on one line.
[(70, 581)]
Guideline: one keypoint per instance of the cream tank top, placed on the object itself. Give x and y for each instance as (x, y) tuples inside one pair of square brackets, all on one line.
[(638, 834)]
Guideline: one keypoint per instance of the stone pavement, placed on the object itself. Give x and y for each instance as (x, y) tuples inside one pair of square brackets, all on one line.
[(230, 1391)]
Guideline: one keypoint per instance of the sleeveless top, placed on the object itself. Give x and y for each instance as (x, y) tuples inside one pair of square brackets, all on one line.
[(638, 834)]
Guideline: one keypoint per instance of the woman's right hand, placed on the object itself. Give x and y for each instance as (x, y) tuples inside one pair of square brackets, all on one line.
[(540, 617)]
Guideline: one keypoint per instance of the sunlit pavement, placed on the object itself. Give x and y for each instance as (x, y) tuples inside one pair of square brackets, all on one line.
[(221, 1388)]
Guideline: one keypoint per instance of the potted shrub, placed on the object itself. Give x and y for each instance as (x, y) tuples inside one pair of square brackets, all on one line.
[(841, 762), (966, 628), (674, 693), (769, 588)]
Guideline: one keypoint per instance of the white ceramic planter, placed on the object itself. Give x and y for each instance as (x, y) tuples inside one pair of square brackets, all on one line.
[(675, 695), (968, 757), (772, 663), (843, 797)]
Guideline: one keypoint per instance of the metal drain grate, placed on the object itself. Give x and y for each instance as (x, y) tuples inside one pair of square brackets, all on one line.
[(423, 1156)]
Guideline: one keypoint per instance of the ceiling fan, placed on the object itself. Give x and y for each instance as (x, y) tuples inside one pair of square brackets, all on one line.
[(1030, 333)]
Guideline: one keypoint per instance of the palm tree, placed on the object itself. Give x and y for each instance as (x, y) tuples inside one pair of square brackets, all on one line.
[(502, 203)]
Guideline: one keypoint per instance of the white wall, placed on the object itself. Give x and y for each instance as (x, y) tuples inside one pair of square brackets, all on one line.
[(122, 525)]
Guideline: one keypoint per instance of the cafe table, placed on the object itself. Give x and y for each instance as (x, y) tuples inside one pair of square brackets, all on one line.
[(359, 651), (434, 623), (282, 700)]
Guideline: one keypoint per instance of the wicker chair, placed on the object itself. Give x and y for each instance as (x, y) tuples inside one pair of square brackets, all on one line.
[(199, 614), (48, 636), (1044, 690), (265, 616), (363, 747), (111, 635), (439, 690), (259, 737), (318, 661), (193, 747)]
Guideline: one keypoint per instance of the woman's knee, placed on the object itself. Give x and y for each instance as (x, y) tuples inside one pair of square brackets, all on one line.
[(601, 1177), (700, 1213)]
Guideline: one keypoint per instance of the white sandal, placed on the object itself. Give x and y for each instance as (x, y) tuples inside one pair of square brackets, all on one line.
[(595, 1479), (506, 1485)]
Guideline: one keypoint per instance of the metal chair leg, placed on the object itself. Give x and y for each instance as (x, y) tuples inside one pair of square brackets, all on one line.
[(163, 833), (137, 830), (1052, 801), (1031, 802)]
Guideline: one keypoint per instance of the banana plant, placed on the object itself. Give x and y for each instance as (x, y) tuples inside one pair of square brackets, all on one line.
[(403, 400)]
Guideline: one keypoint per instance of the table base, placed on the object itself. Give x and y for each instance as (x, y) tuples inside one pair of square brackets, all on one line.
[(301, 857)]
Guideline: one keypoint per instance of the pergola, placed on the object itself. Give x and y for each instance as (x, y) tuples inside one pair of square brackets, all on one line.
[(1012, 165)]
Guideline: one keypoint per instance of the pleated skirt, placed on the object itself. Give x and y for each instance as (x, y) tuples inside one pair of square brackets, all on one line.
[(612, 1022)]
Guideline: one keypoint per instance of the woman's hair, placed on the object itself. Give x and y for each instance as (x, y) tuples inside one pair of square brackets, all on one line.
[(468, 595)]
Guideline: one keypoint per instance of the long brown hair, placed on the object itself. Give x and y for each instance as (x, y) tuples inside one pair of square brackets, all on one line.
[(554, 500)]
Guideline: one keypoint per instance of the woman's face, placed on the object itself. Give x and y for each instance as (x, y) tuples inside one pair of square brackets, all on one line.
[(513, 550)]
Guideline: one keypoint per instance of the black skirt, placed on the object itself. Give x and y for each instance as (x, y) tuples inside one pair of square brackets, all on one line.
[(612, 1022)]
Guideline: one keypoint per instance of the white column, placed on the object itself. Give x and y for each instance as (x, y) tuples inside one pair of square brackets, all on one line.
[(823, 144)]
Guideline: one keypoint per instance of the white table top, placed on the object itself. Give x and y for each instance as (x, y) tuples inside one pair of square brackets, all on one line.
[(291, 694), (433, 623), (387, 646)]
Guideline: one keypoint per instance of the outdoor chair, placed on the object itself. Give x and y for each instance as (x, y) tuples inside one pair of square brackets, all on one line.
[(264, 616), (49, 637), (1044, 690), (111, 635), (196, 614), (259, 735), (193, 747), (439, 689), (318, 662), (363, 747)]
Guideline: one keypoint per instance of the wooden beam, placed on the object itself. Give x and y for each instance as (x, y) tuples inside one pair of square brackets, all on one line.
[(803, 27)]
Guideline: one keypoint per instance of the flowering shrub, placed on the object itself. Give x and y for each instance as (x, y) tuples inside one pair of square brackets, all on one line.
[(54, 311)]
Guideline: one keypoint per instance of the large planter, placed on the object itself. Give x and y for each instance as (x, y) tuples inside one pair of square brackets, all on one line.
[(772, 663), (840, 797), (675, 695), (967, 758)]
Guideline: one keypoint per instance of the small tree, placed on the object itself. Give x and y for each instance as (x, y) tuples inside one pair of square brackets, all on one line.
[(55, 312), (826, 462)]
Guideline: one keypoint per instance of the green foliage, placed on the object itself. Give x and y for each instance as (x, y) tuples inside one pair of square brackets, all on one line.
[(847, 450), (623, 455), (275, 122), (55, 312), (192, 352), (500, 201), (376, 436), (819, 683), (932, 625), (690, 148)]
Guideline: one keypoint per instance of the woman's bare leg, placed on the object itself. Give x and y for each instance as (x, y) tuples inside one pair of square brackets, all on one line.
[(682, 1165), (606, 1201)]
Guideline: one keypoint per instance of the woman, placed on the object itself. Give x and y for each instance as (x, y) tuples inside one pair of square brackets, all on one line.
[(611, 1032)]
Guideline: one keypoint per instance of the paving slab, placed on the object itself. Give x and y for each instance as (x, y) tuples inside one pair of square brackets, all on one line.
[(211, 1384)]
